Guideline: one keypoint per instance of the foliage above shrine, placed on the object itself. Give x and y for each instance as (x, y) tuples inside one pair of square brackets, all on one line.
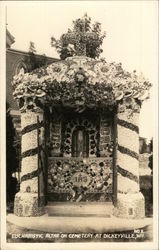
[(80, 83), (85, 37)]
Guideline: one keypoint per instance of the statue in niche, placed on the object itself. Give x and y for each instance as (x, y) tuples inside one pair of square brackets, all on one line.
[(80, 143)]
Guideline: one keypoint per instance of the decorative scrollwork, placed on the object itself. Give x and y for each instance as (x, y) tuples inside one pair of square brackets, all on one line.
[(96, 172)]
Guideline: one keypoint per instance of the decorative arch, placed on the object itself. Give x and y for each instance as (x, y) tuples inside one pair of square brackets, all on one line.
[(90, 133), (20, 64)]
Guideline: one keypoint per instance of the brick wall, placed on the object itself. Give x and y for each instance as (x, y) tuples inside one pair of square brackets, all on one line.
[(14, 59)]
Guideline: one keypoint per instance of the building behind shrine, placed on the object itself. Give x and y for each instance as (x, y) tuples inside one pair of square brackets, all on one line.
[(15, 60)]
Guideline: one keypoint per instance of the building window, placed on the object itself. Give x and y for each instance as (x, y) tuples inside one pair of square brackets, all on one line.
[(19, 66), (80, 143)]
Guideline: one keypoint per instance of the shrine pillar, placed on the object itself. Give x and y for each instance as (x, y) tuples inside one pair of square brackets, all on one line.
[(29, 201), (130, 201)]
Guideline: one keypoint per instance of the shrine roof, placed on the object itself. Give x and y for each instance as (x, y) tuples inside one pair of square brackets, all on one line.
[(98, 76)]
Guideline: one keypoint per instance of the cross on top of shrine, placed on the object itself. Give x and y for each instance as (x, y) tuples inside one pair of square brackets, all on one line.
[(79, 36)]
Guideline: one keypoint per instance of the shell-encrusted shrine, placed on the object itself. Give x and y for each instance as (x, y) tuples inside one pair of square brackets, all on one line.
[(80, 136)]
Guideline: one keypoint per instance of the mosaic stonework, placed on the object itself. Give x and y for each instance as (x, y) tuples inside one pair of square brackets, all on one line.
[(80, 179), (99, 133), (27, 202), (26, 205), (106, 137), (70, 125), (130, 206), (128, 153), (55, 136)]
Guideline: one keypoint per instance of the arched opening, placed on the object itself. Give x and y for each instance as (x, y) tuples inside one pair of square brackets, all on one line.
[(80, 143), (21, 65)]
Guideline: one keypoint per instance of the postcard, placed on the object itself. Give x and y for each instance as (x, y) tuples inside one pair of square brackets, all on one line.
[(79, 125)]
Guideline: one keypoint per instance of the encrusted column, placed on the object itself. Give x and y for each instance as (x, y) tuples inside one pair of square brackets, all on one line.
[(130, 201), (26, 201)]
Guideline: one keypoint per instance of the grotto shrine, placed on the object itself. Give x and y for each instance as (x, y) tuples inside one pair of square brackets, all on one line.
[(80, 135)]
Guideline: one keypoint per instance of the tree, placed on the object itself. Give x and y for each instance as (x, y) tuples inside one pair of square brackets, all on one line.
[(34, 61), (11, 157), (151, 156), (85, 38)]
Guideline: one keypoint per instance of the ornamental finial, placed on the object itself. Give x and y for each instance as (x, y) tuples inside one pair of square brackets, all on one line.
[(78, 36), (85, 39)]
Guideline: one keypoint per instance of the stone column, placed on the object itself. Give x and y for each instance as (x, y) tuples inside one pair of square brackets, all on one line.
[(26, 200), (130, 201)]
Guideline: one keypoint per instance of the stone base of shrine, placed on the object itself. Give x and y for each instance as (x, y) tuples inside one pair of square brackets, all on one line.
[(26, 205), (76, 224), (79, 209), (130, 205)]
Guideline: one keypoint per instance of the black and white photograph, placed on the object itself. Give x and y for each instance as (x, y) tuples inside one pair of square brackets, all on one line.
[(79, 127)]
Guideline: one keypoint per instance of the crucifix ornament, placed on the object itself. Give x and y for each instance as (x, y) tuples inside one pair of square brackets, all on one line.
[(79, 36)]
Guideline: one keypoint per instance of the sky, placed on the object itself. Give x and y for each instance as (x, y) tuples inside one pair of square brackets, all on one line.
[(131, 35)]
